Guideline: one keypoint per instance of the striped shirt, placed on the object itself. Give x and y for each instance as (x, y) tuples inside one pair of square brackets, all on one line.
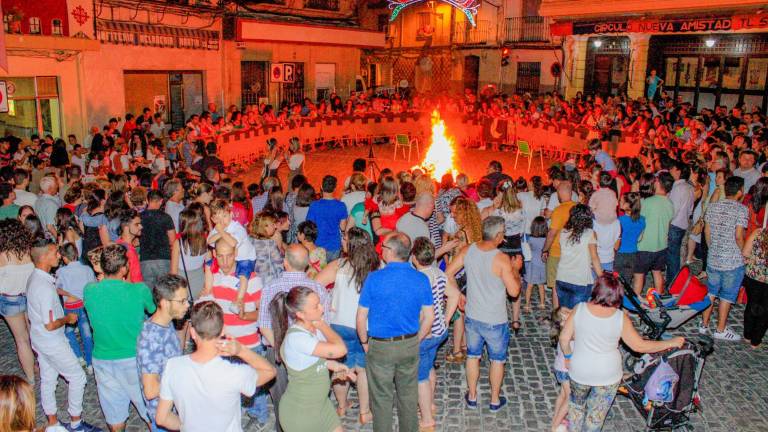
[(224, 294), (437, 280)]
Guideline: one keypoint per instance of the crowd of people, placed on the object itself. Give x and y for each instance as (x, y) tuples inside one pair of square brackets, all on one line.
[(133, 259)]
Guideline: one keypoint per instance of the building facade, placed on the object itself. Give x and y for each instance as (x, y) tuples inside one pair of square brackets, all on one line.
[(707, 53), (436, 45)]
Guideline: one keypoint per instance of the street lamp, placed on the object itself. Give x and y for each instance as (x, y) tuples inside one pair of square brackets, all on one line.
[(597, 43), (710, 42)]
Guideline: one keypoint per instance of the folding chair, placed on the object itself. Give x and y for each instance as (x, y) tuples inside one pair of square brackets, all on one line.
[(402, 141), (526, 150)]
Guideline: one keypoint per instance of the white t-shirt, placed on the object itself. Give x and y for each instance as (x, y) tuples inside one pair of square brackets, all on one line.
[(77, 160), (554, 200), (352, 198), (298, 347), (24, 197), (295, 161), (575, 265), (157, 129), (207, 396), (245, 249), (532, 207), (174, 209), (412, 226), (607, 236), (43, 307)]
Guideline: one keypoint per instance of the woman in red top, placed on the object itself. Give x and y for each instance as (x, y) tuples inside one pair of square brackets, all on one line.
[(385, 209)]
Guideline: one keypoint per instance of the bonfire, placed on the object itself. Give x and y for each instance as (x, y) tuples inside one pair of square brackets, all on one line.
[(439, 158)]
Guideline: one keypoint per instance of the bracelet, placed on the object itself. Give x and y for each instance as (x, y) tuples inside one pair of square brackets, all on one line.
[(568, 356)]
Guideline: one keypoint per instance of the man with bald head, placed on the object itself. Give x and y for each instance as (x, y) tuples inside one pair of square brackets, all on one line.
[(296, 262), (551, 252)]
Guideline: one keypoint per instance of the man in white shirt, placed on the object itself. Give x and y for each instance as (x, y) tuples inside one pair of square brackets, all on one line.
[(747, 170), (682, 197), (78, 158), (46, 331), (23, 196), (204, 387), (174, 194)]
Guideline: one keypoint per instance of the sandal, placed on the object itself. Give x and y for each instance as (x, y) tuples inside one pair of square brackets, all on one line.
[(364, 418), (456, 357)]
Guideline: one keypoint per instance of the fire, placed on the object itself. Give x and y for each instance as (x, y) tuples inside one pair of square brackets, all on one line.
[(439, 158)]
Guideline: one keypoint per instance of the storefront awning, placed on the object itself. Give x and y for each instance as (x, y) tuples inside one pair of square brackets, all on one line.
[(127, 33), (260, 31)]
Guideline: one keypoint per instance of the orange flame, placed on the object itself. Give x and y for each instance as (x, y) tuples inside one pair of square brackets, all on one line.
[(439, 158)]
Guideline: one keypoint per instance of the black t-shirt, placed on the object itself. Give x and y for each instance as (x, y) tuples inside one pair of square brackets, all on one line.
[(496, 177), (154, 243), (208, 162)]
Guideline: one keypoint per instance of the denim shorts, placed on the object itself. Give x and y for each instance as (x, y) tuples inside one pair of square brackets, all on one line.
[(245, 268), (569, 295), (561, 376), (355, 354), (495, 336), (117, 383), (428, 353), (13, 305), (725, 284)]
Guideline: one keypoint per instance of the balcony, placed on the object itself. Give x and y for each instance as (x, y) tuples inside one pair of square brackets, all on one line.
[(527, 29), (465, 34), (328, 5)]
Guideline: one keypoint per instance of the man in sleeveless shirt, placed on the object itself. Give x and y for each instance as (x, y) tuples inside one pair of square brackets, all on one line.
[(491, 276)]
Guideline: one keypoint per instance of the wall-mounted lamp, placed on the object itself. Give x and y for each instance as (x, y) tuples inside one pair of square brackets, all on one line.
[(710, 42), (597, 43)]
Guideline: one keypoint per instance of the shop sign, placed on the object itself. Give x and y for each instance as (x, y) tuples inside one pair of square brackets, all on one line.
[(737, 22), (156, 36), (282, 73)]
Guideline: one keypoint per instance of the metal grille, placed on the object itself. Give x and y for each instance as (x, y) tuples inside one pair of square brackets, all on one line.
[(253, 78), (724, 44), (404, 69), (528, 74), (294, 92)]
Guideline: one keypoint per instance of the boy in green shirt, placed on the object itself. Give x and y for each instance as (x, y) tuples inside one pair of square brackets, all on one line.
[(117, 309), (652, 246)]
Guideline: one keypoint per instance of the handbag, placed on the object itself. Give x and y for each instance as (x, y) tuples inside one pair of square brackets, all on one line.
[(526, 248)]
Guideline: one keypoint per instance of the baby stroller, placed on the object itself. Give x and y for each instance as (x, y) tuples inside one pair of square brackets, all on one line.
[(681, 398), (687, 298)]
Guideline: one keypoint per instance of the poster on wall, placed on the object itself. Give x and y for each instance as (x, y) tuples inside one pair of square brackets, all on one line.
[(159, 104), (3, 97)]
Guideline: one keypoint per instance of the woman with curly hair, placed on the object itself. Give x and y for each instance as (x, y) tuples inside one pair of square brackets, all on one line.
[(15, 268), (348, 274), (578, 252), (470, 230)]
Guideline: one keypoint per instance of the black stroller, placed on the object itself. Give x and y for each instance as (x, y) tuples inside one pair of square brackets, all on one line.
[(688, 363)]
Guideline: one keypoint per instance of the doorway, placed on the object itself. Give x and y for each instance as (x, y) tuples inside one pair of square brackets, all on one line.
[(471, 72), (325, 80), (607, 68)]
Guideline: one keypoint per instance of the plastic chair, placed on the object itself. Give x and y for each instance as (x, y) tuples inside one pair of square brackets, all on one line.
[(526, 150), (403, 142)]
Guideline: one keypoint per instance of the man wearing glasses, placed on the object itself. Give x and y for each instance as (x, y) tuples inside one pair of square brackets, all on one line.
[(158, 341)]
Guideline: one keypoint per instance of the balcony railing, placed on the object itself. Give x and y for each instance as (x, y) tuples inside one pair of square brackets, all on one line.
[(329, 5), (527, 29), (465, 34)]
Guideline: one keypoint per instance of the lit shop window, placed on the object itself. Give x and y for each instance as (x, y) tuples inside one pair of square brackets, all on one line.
[(56, 28)]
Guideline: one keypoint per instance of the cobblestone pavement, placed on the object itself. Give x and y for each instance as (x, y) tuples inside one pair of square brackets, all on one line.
[(734, 389)]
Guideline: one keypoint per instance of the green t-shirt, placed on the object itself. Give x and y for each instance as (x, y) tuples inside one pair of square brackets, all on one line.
[(10, 211), (116, 311), (658, 212)]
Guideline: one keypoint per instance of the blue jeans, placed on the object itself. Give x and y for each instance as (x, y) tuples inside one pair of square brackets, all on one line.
[(355, 354), (427, 354), (258, 408), (674, 243), (117, 383), (84, 326), (570, 294)]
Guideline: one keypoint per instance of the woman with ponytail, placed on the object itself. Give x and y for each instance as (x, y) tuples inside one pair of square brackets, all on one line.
[(307, 348)]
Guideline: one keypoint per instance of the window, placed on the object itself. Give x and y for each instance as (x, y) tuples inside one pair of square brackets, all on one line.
[(6, 19), (382, 22), (56, 28), (33, 108), (732, 73), (34, 25), (757, 71)]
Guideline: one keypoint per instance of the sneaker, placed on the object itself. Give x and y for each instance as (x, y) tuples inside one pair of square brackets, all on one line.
[(727, 335), (89, 370), (496, 407), (471, 404), (704, 330), (82, 427)]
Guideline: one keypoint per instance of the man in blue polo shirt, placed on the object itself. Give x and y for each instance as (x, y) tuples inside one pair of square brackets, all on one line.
[(394, 314)]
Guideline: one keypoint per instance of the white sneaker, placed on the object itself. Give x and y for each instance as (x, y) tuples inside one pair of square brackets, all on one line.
[(704, 330), (727, 335), (89, 370)]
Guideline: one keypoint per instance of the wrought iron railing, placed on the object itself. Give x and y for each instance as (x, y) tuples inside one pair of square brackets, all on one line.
[(527, 29), (482, 33), (330, 5)]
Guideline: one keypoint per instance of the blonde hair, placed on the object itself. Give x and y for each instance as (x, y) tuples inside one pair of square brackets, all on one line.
[(259, 225), (357, 182), (509, 201), (424, 183), (468, 216), (17, 404), (220, 206), (389, 192)]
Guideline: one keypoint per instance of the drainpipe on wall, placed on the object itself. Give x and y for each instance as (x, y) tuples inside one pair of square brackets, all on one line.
[(81, 99)]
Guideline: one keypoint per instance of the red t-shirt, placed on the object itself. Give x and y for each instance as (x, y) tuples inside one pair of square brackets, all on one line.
[(134, 268)]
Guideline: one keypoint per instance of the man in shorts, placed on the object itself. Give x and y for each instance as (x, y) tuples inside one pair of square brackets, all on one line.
[(551, 252), (725, 232), (491, 277)]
